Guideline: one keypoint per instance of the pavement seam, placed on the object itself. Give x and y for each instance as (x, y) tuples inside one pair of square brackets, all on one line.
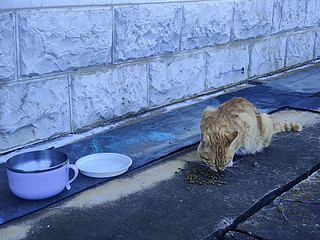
[(293, 108), (262, 202), (250, 234)]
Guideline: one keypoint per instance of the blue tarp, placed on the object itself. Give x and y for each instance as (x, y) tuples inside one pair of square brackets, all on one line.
[(156, 137)]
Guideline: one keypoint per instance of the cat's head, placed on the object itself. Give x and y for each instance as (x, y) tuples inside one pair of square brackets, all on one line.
[(217, 150)]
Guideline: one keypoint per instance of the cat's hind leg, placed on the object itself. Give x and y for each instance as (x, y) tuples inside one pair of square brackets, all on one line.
[(266, 128)]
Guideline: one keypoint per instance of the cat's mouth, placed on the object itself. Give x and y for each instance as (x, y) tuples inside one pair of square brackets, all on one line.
[(211, 166), (219, 169)]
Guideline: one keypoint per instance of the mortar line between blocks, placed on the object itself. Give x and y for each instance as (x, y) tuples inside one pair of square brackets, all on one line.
[(17, 49), (113, 35), (232, 23), (148, 83), (285, 52), (314, 45), (206, 71), (249, 60), (70, 103), (181, 27), (305, 11), (272, 19), (97, 5)]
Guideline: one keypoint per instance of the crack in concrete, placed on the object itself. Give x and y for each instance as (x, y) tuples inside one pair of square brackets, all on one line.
[(283, 214), (250, 234), (262, 202)]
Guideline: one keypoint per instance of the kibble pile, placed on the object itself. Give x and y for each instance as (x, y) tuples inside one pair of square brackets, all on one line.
[(203, 176)]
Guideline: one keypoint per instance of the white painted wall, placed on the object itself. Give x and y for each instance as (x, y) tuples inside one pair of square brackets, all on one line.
[(69, 66)]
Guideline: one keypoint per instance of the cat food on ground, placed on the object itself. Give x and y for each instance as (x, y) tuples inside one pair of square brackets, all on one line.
[(203, 176)]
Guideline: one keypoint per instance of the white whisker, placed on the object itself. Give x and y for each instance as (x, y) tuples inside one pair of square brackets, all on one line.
[(203, 164), (238, 160), (235, 166)]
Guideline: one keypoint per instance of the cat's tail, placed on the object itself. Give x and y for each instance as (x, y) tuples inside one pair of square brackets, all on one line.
[(286, 127)]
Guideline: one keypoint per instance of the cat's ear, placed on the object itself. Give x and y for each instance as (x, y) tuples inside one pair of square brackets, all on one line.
[(208, 112), (210, 109), (232, 136), (206, 141)]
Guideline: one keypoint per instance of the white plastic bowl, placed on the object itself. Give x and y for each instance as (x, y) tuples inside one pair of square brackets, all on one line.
[(103, 165)]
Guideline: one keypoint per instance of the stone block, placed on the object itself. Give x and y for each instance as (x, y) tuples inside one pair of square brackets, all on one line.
[(7, 46), (102, 95), (58, 40), (312, 13), (175, 78), (33, 111), (288, 15), (267, 55), (146, 30), (252, 18), (227, 65), (300, 48), (206, 24)]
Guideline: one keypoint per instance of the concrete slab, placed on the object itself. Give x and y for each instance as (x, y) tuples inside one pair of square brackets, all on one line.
[(293, 215), (156, 202)]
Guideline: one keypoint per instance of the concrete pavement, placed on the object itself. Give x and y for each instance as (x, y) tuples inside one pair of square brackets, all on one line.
[(265, 197)]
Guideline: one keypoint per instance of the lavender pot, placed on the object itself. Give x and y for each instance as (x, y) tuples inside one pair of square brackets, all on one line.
[(40, 174)]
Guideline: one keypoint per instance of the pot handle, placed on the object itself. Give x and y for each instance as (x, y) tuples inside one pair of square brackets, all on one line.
[(76, 171)]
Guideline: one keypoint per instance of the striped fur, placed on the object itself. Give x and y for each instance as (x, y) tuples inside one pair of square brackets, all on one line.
[(286, 127), (236, 127)]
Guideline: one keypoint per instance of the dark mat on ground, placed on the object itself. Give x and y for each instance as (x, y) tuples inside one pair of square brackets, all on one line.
[(151, 139), (305, 81), (310, 103), (168, 210)]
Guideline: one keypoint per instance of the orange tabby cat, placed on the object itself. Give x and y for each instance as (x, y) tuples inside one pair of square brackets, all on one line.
[(236, 126)]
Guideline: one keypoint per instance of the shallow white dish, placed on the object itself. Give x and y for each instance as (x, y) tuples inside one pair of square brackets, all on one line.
[(102, 165)]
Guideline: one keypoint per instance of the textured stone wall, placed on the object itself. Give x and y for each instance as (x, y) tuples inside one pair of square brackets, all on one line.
[(65, 69)]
